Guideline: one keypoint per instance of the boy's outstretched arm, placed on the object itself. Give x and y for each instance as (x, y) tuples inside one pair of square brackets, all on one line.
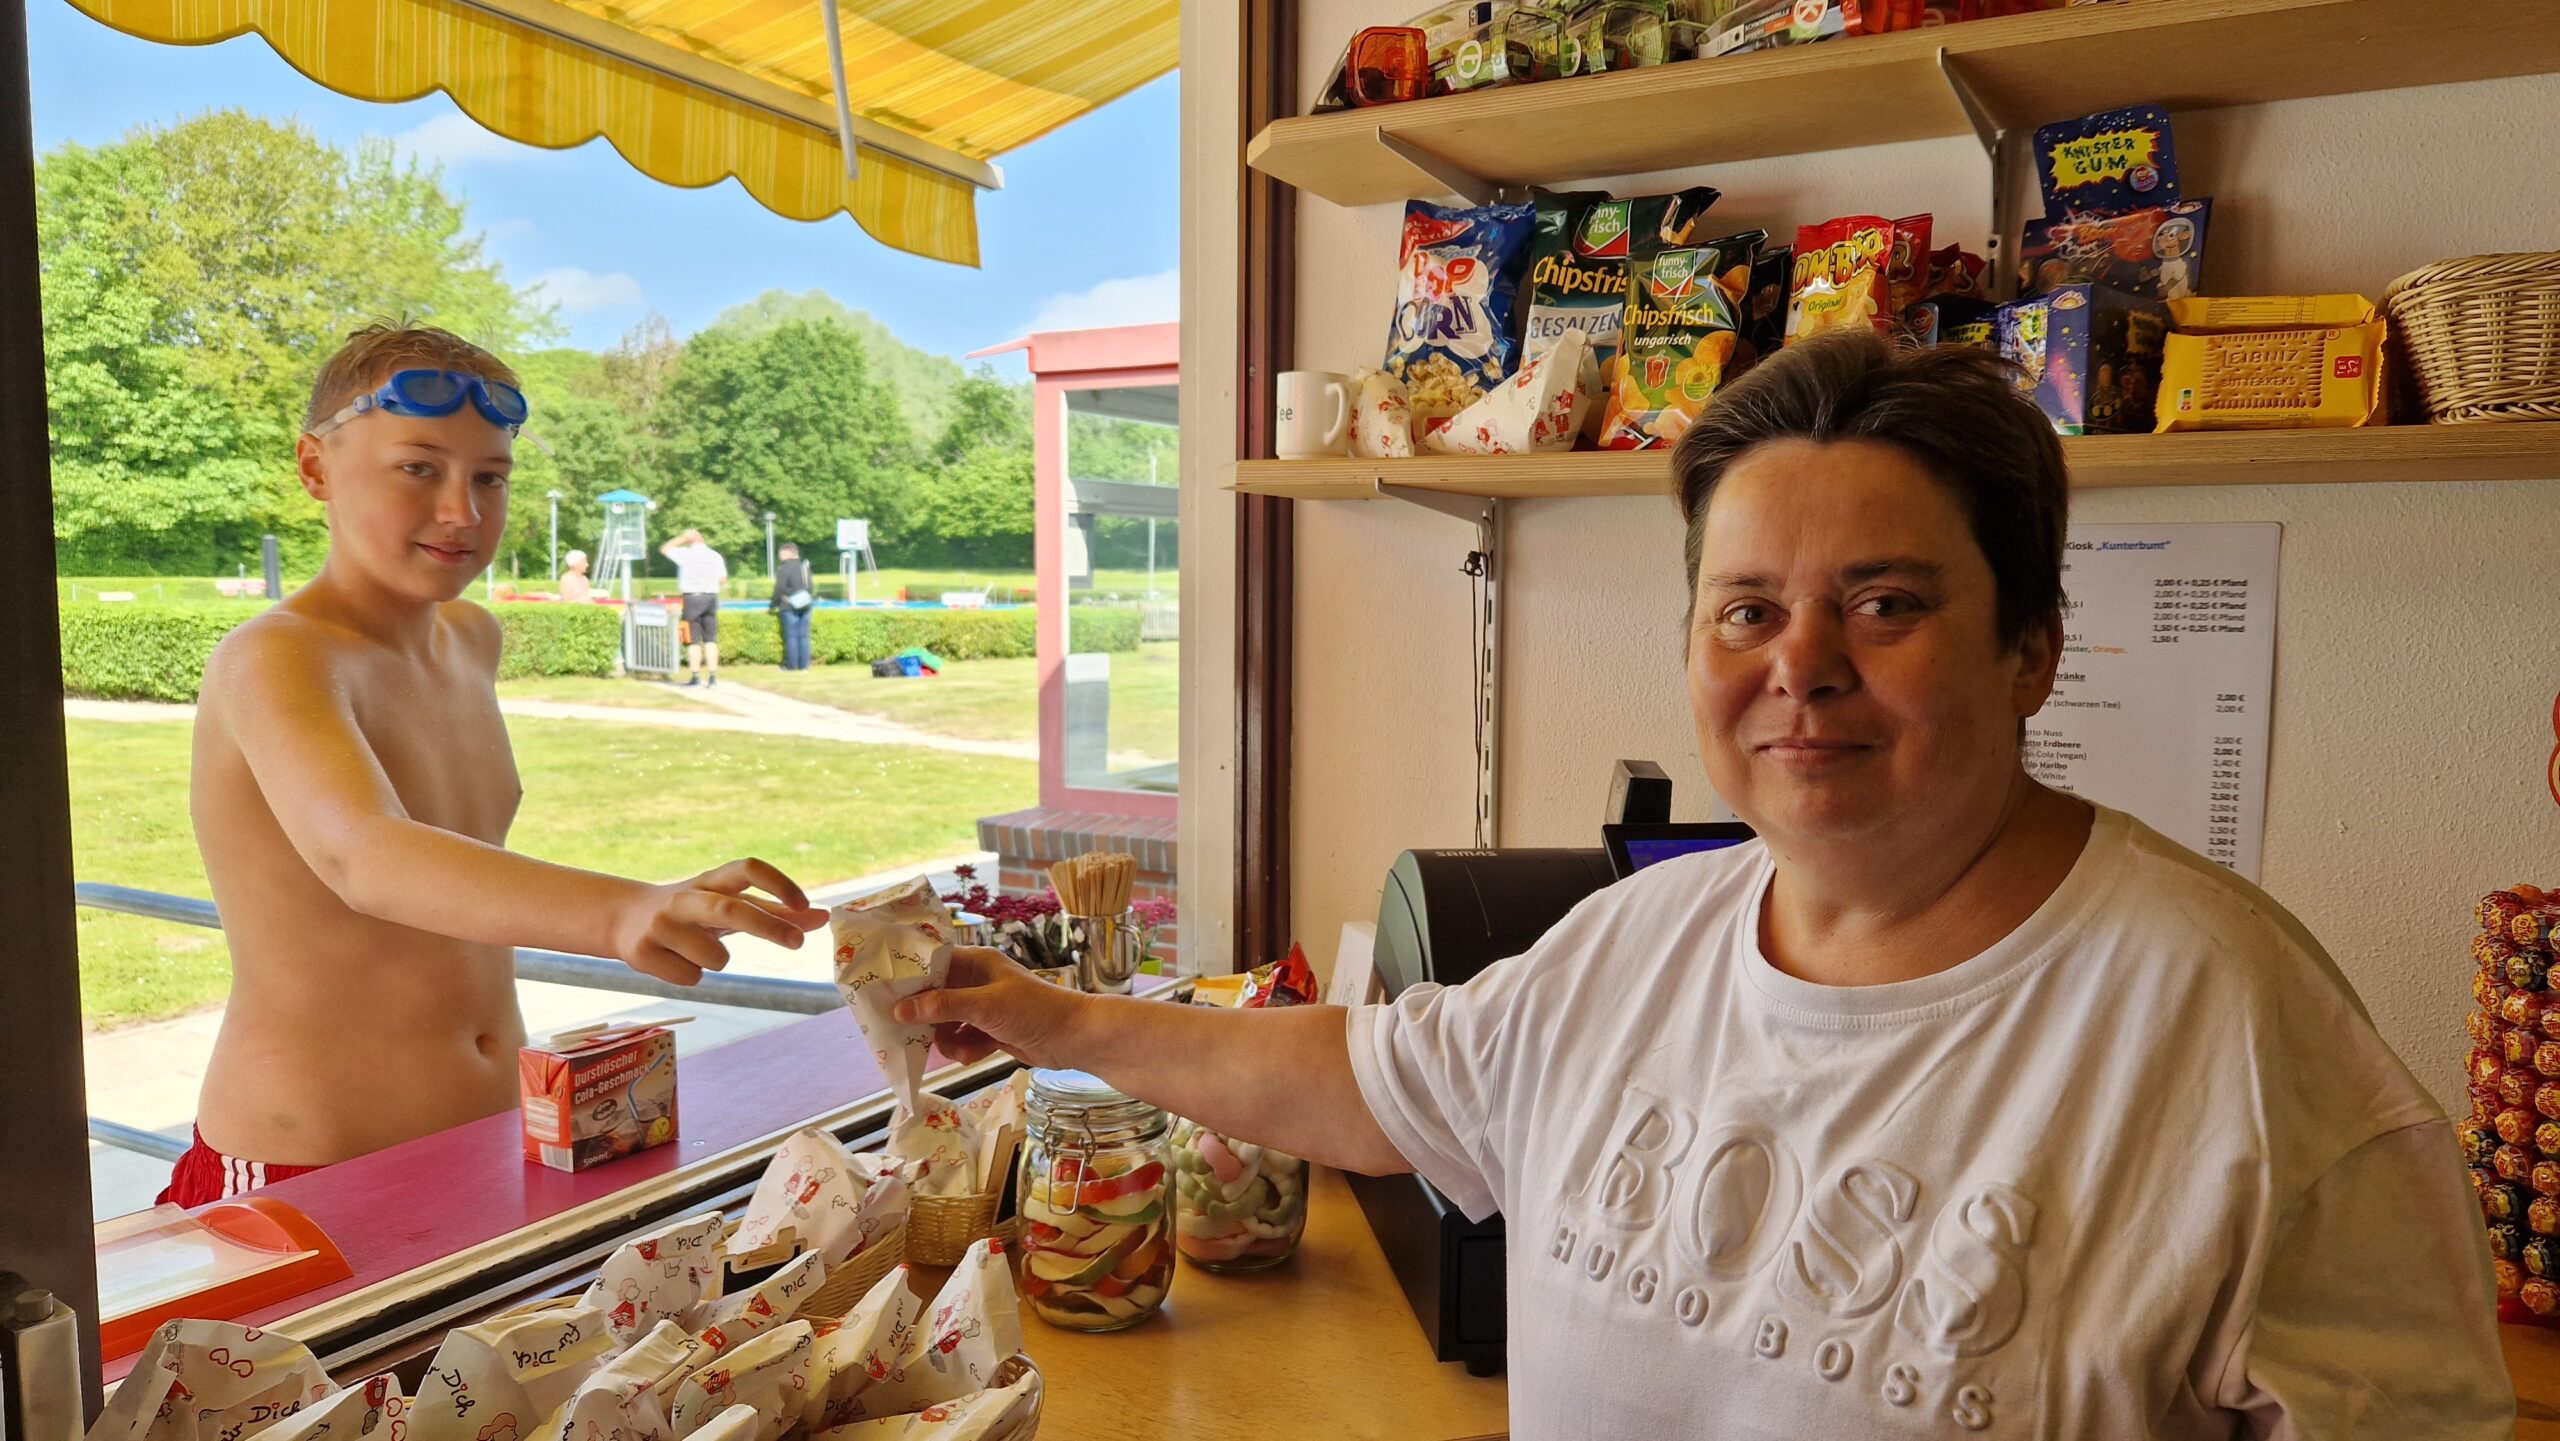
[(1282, 1078), (327, 789)]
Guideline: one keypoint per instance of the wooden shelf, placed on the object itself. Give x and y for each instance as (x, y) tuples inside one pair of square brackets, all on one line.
[(2523, 451), (2027, 70)]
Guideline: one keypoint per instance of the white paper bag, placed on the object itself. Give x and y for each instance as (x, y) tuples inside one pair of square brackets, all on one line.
[(998, 1414), (738, 1423), (1540, 409), (1381, 417), (837, 1205), (860, 1353), (769, 1375), (211, 1381), (625, 1399), (889, 945), (973, 1328), (496, 1381), (741, 1315), (375, 1407), (663, 1276)]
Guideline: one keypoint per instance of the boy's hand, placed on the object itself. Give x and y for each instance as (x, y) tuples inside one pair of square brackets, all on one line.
[(990, 1004), (673, 932)]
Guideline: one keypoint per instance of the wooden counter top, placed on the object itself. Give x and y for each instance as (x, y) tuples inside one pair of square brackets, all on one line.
[(2533, 1359), (1322, 1346)]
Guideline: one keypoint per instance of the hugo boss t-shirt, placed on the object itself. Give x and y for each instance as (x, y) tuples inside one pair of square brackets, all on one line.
[(2142, 1169)]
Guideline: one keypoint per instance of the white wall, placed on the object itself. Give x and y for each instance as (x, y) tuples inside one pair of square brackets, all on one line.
[(2419, 630)]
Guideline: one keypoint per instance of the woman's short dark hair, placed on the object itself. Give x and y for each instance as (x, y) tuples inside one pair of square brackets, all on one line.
[(1955, 410)]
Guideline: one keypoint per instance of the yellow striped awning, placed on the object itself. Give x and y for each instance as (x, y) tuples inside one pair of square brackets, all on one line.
[(692, 91)]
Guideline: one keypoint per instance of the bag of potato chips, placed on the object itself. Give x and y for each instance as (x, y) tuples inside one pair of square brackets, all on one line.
[(1840, 279), (1683, 322)]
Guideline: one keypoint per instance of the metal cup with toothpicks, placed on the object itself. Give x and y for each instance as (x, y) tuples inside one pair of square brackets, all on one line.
[(1103, 937)]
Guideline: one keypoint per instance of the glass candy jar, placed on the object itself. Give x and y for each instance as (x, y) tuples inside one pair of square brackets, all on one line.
[(1236, 1206), (1097, 1204)]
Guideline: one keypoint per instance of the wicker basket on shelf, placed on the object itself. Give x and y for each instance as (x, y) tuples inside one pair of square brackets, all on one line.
[(2482, 336), (941, 1229)]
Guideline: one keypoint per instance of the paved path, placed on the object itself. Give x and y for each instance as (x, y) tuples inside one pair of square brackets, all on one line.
[(748, 710)]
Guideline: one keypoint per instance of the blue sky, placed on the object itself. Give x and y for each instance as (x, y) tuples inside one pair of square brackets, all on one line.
[(1085, 232)]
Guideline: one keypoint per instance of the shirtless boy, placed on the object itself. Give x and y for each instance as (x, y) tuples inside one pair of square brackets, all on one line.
[(353, 788)]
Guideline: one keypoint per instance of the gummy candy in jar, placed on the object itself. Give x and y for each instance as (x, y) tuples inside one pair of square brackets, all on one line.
[(1097, 1235), (1237, 1206)]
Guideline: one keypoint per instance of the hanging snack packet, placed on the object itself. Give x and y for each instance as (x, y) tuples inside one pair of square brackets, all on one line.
[(1684, 323), (1839, 281), (1458, 282), (2113, 161)]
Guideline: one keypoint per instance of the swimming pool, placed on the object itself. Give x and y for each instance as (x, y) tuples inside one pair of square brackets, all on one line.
[(875, 605)]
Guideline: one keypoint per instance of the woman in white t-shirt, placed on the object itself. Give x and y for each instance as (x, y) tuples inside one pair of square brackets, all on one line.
[(1954, 1105)]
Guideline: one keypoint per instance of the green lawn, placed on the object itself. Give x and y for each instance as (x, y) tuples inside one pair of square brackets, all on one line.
[(604, 690), (996, 699), (630, 799)]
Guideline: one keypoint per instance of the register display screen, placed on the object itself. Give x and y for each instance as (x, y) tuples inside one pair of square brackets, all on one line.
[(1641, 854), (1632, 847)]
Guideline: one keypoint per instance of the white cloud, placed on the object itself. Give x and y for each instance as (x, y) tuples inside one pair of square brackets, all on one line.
[(582, 292), (1134, 300), (454, 140)]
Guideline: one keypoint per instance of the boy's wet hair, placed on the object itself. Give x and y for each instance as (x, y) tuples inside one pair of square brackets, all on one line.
[(377, 352)]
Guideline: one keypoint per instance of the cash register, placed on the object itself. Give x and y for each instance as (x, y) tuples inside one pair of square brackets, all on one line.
[(1443, 916)]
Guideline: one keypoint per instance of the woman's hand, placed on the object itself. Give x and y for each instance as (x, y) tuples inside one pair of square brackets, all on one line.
[(673, 932), (990, 1004)]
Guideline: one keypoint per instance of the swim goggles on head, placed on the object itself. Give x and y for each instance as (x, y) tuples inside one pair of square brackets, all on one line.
[(436, 392)]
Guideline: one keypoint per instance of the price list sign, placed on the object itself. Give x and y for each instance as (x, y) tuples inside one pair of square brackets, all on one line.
[(2167, 681)]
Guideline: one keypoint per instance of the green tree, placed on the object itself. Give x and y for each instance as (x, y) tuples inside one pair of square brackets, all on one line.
[(975, 497), (194, 276), (926, 384), (792, 422)]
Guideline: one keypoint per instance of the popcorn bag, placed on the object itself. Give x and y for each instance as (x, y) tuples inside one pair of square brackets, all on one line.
[(1542, 408), (212, 1381)]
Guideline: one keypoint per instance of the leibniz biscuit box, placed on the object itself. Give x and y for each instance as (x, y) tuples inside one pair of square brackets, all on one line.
[(592, 1099), (2275, 362)]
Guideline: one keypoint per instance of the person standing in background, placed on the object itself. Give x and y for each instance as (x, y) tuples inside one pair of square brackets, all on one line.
[(793, 598), (574, 585), (699, 572)]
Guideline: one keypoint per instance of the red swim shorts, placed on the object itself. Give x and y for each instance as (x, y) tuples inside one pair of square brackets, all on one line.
[(205, 1175)]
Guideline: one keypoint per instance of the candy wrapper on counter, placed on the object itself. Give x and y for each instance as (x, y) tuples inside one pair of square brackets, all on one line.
[(1381, 420), (663, 1276), (1542, 408), (834, 1203), (768, 1375), (626, 1398), (497, 1380), (210, 1381), (972, 1329)]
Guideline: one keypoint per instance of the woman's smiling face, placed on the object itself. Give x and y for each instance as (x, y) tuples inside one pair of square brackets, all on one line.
[(1846, 674)]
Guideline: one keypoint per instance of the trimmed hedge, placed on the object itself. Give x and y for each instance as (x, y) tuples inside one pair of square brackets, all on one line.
[(136, 651), (859, 637), (557, 639)]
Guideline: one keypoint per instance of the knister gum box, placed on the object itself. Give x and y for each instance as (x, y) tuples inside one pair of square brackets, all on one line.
[(598, 1098)]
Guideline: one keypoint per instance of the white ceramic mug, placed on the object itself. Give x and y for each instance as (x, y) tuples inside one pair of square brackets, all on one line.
[(1314, 414)]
